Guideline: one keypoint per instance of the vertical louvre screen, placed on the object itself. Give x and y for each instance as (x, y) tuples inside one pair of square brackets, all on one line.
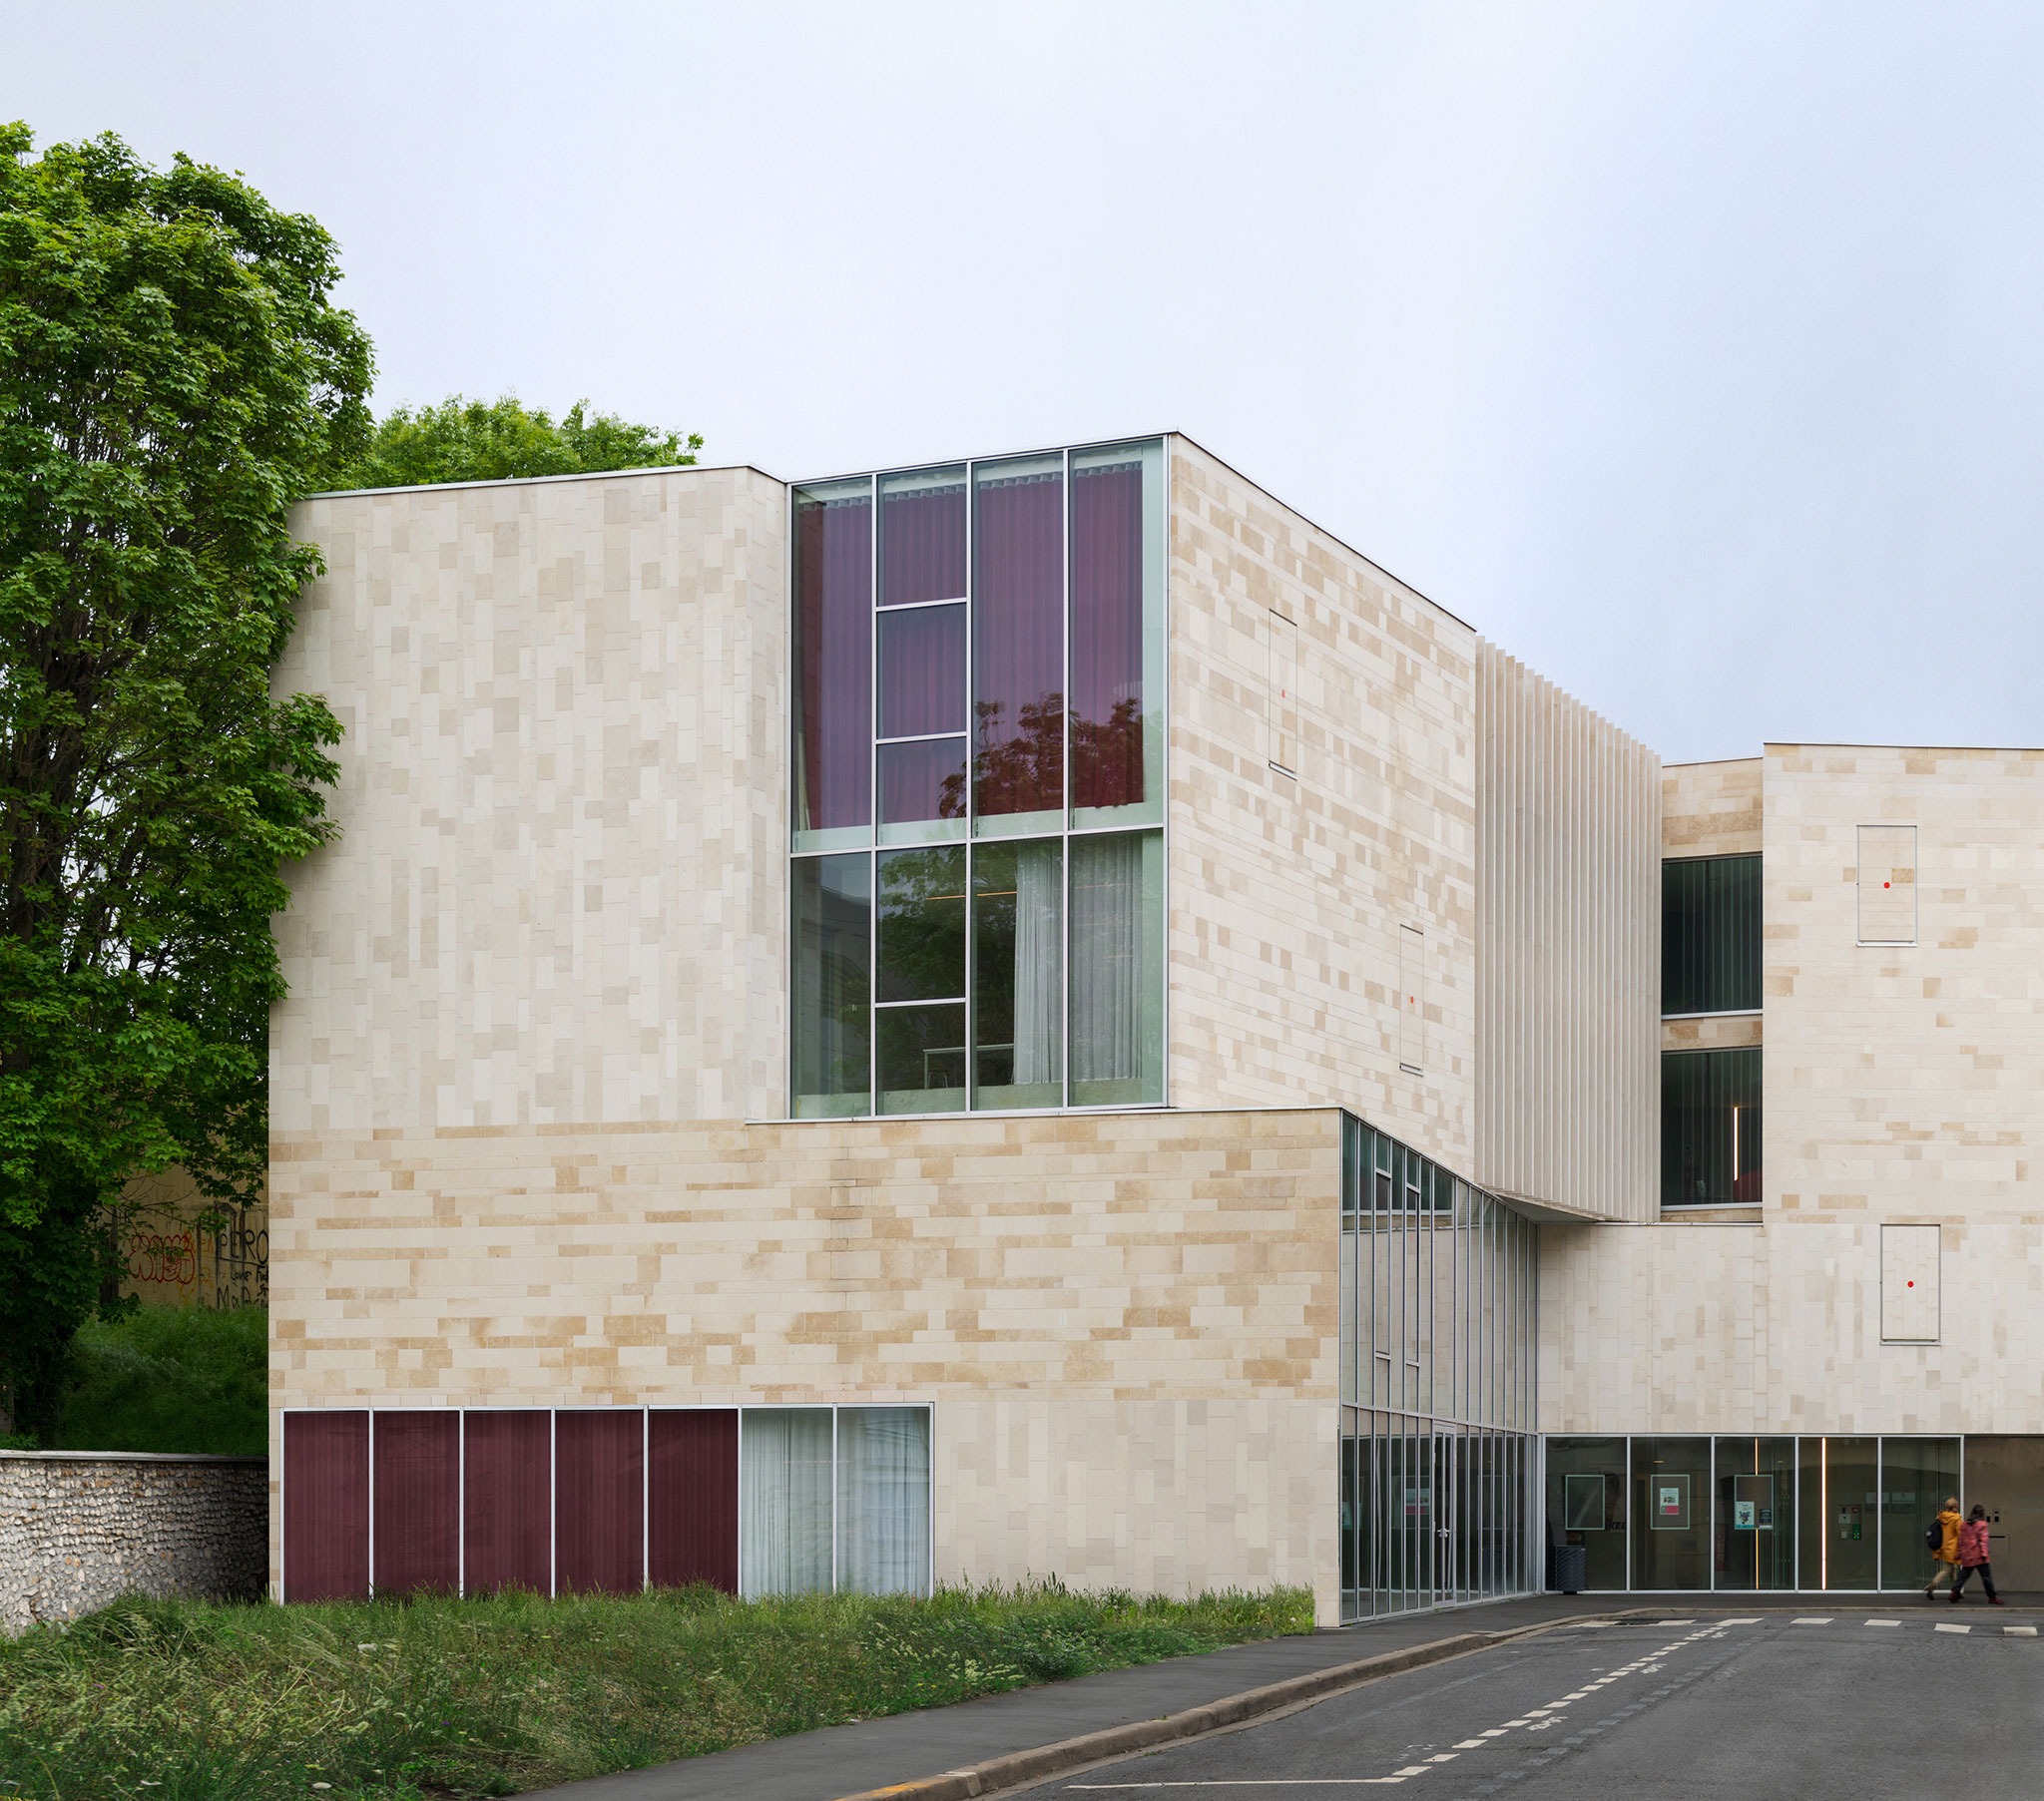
[(691, 1527), (326, 1506), (599, 1501), (507, 1511), (417, 1503)]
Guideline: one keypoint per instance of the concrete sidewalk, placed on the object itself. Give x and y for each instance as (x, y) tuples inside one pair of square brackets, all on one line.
[(845, 1760)]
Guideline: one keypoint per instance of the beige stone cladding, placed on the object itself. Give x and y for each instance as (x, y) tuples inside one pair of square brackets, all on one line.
[(1904, 1081), (1710, 809), (1126, 1323), (1776, 1327), (1903, 1085), (559, 888), (1289, 889), (1568, 951)]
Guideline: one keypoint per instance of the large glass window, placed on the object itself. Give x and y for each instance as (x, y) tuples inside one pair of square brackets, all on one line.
[(1018, 979), (1586, 1504), (833, 662), (1117, 969), (1672, 1504), (1017, 923), (1438, 1288), (1711, 1128), (1754, 1529), (921, 1017), (832, 935), (1711, 935)]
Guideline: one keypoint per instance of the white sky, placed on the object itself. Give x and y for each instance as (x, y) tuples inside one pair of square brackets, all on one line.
[(1690, 351)]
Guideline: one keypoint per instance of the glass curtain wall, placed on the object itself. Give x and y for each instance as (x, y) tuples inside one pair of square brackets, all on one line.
[(1749, 1513), (1438, 1459), (1711, 935), (977, 890)]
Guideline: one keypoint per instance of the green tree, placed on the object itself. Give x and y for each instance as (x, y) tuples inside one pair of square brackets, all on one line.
[(463, 440), (173, 375)]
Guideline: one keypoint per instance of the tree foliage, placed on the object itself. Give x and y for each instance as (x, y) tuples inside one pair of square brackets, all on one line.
[(173, 375), (463, 440)]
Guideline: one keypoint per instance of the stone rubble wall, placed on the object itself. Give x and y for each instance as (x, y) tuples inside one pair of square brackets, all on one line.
[(80, 1528)]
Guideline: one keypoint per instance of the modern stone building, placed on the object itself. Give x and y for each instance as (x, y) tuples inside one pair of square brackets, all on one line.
[(1043, 1015)]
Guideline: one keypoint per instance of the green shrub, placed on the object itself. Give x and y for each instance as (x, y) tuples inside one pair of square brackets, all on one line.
[(169, 1379), (487, 1696)]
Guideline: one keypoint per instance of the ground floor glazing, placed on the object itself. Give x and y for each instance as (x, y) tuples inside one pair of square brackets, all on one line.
[(1751, 1512)]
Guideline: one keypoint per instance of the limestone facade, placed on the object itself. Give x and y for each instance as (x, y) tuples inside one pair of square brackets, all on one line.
[(1126, 1322), (1901, 1085)]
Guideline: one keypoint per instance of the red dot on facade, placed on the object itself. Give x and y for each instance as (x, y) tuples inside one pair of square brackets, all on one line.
[(1913, 1285), (1887, 884)]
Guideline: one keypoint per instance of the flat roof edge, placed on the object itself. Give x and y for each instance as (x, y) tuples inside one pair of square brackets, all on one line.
[(534, 481)]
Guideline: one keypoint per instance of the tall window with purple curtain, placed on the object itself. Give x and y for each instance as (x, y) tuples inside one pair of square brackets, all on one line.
[(1019, 644), (1117, 637), (979, 685), (833, 662)]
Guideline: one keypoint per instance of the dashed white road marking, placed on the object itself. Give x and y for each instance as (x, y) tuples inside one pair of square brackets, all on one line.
[(2020, 1631), (1883, 1622), (1469, 1744), (1674, 1622), (1813, 1619), (1753, 1621), (1950, 1626)]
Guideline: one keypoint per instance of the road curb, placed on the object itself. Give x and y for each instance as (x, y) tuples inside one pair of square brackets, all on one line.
[(1017, 1767)]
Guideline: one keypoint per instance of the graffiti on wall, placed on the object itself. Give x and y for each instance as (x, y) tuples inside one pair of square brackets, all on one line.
[(181, 1250)]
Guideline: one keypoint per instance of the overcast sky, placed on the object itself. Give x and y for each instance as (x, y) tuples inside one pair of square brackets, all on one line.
[(1691, 352)]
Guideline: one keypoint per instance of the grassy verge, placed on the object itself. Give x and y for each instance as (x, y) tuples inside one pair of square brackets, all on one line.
[(169, 1379), (182, 1701)]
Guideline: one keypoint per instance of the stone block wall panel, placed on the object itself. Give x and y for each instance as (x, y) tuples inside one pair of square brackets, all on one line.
[(81, 1529)]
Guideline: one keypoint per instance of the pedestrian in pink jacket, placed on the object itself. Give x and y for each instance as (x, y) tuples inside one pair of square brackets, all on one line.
[(1973, 1555)]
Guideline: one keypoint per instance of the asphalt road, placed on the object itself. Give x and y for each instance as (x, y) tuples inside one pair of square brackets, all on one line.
[(1852, 1704)]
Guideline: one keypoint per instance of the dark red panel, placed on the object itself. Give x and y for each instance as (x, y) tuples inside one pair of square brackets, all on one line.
[(600, 1492), (417, 1503), (508, 1488), (326, 1506), (692, 1498)]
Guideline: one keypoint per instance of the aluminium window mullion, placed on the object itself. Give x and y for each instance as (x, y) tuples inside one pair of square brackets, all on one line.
[(1065, 812), (971, 866), (873, 795)]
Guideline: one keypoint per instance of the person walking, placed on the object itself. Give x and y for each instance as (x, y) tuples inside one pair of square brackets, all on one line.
[(1973, 1555), (1944, 1551)]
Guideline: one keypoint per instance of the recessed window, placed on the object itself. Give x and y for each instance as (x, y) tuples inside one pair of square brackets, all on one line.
[(979, 734), (1711, 1128), (1711, 935)]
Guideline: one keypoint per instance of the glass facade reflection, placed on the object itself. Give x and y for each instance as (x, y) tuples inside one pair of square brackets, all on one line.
[(1749, 1513), (1711, 935), (1711, 1128), (978, 786), (1438, 1461)]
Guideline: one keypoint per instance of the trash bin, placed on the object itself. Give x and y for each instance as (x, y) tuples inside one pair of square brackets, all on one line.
[(1571, 1567)]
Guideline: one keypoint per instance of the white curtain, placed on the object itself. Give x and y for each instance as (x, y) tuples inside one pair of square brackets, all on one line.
[(1106, 959), (784, 1501), (883, 1499), (1039, 963)]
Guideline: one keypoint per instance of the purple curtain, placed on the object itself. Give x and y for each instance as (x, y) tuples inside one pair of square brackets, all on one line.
[(922, 671), (922, 780), (1018, 647), (922, 546), (1107, 636), (833, 613)]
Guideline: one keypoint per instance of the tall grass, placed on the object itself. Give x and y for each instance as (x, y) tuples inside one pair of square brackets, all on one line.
[(169, 1379), (185, 1701)]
